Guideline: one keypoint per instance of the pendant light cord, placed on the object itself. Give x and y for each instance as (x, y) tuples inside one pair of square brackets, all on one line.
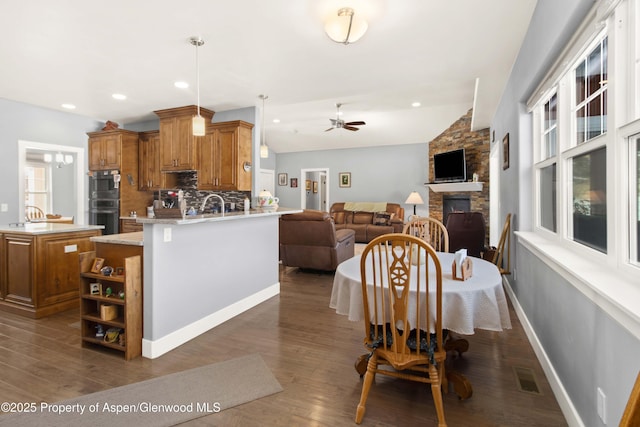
[(198, 74)]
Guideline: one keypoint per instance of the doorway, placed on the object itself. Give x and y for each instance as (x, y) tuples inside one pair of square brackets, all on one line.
[(68, 196), (314, 190)]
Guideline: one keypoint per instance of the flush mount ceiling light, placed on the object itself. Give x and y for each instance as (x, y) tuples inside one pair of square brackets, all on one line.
[(264, 149), (197, 123), (119, 96), (345, 27)]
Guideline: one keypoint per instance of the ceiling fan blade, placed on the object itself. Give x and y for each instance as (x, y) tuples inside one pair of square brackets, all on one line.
[(327, 130), (333, 122), (349, 127), (359, 123)]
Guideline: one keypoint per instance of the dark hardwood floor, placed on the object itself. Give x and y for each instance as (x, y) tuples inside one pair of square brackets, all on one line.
[(310, 350)]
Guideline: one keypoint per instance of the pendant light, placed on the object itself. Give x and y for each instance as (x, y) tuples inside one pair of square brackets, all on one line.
[(264, 150), (197, 123)]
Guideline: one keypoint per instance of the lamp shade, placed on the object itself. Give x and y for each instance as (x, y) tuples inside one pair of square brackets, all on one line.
[(345, 27), (414, 199), (264, 151), (198, 125)]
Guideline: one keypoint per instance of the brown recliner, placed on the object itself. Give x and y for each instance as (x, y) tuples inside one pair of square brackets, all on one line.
[(310, 240), (467, 230)]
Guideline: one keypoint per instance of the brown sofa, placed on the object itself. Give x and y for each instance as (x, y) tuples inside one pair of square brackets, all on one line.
[(368, 225), (310, 240)]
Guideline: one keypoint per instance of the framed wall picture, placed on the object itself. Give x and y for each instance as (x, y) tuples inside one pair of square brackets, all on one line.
[(294, 182), (344, 178), (97, 265), (505, 152), (282, 179), (307, 185), (315, 186), (95, 289), (119, 271)]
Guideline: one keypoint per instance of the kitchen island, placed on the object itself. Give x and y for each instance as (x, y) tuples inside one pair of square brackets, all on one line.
[(39, 266), (204, 270)]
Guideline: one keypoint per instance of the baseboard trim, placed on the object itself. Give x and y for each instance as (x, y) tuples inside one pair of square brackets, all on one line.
[(566, 405), (156, 348)]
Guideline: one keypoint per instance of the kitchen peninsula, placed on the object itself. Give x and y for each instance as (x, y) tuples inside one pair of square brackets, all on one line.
[(204, 270), (39, 266)]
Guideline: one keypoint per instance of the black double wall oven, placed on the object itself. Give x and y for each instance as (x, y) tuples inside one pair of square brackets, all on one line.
[(104, 200)]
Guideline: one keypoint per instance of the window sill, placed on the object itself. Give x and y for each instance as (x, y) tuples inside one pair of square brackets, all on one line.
[(616, 294)]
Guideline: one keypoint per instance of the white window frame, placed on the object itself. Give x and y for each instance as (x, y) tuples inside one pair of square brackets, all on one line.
[(623, 105)]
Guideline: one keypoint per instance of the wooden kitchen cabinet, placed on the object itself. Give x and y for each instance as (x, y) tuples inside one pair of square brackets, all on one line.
[(130, 225), (126, 307), (224, 157), (40, 271), (177, 143), (107, 148), (150, 175)]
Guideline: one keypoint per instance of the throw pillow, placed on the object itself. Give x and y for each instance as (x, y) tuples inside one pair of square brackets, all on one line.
[(382, 218)]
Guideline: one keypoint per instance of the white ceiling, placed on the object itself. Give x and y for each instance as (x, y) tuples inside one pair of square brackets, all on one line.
[(449, 55)]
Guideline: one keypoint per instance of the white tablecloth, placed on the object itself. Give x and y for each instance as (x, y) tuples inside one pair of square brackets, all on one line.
[(478, 302)]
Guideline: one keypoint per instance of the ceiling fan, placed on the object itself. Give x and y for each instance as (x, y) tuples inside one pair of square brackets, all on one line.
[(340, 124)]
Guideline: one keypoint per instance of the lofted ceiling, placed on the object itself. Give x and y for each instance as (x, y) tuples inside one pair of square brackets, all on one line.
[(450, 56)]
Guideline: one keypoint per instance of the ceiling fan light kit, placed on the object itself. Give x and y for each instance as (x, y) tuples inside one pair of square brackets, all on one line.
[(345, 27), (337, 123)]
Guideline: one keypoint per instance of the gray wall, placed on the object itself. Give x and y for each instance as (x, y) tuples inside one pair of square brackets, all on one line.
[(586, 347), (25, 122), (378, 174)]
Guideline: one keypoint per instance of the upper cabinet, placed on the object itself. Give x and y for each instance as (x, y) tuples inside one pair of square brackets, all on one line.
[(224, 157), (177, 143), (150, 176), (106, 148)]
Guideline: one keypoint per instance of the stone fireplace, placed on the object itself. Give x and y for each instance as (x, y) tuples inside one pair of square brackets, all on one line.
[(454, 203), (465, 197)]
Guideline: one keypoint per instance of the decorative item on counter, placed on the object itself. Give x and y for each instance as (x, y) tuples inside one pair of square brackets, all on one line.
[(106, 270), (266, 201), (462, 268), (110, 125), (149, 211), (133, 214)]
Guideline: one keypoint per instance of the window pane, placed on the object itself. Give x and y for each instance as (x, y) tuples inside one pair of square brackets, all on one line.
[(594, 72), (589, 199), (550, 129), (580, 125), (580, 83), (594, 119), (637, 202), (548, 197)]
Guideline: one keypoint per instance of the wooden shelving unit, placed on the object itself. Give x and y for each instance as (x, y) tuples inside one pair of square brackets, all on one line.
[(129, 307)]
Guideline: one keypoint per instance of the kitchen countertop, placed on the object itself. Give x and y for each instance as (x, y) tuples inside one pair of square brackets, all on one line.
[(229, 216), (46, 228), (131, 239)]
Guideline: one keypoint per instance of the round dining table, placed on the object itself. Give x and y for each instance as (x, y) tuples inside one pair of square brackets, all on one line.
[(478, 302)]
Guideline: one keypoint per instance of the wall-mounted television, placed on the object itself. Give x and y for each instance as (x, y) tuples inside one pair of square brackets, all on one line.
[(450, 166)]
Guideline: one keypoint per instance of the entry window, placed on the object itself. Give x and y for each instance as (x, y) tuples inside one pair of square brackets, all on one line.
[(37, 187), (548, 198)]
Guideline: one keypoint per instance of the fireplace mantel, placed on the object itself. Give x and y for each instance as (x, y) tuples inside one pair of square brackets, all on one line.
[(451, 187)]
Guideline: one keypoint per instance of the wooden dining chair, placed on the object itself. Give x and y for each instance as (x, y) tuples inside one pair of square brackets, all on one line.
[(33, 212), (430, 230), (396, 315), (496, 255), (631, 415)]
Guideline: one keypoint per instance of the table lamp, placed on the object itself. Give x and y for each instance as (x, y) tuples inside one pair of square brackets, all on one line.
[(414, 199)]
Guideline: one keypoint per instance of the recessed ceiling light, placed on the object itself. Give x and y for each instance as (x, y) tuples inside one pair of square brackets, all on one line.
[(119, 96), (69, 106), (181, 85), (415, 104), (276, 120)]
